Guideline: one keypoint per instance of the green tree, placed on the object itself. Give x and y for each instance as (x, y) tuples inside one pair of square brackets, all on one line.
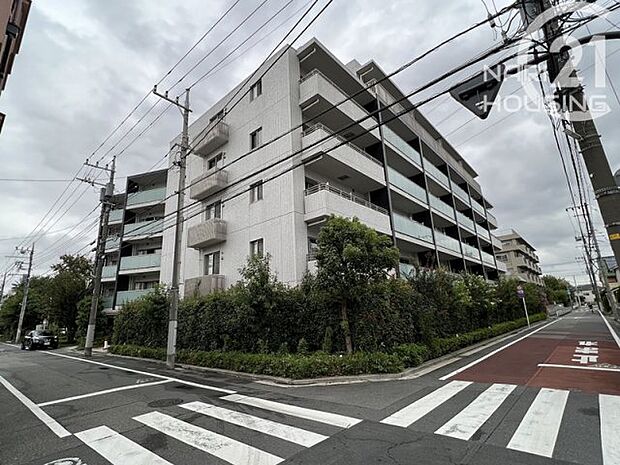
[(37, 309), (351, 257), (557, 290), (69, 284)]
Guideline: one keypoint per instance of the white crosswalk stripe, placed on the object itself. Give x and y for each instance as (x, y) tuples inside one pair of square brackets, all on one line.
[(539, 429), (471, 418), (272, 428), (609, 408), (413, 412), (117, 449), (230, 450)]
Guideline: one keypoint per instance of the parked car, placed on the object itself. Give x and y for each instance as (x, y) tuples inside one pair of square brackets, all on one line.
[(41, 339)]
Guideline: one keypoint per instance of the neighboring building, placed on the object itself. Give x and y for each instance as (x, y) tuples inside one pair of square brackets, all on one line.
[(439, 213), (617, 177), (133, 249), (585, 293), (613, 272), (520, 257)]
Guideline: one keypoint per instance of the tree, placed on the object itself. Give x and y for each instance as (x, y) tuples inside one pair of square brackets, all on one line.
[(350, 257), (557, 290), (67, 287), (37, 309)]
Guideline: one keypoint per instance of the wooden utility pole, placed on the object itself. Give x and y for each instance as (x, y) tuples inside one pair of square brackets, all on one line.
[(22, 311)]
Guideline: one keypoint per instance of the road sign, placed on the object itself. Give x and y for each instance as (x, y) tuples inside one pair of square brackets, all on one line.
[(478, 93), (520, 292)]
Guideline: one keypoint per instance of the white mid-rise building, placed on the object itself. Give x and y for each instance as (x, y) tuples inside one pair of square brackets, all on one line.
[(247, 195)]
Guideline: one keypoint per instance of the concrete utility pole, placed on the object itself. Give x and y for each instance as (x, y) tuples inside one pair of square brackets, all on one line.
[(3, 284), (573, 98), (22, 312), (107, 191), (171, 351)]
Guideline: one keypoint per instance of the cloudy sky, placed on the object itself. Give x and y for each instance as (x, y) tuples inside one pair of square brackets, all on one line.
[(84, 64)]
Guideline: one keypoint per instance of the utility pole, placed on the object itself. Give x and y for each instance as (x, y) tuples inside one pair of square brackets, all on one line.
[(171, 351), (3, 284), (107, 191), (572, 99), (22, 312)]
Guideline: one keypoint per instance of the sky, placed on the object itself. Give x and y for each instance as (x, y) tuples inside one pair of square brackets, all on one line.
[(85, 64)]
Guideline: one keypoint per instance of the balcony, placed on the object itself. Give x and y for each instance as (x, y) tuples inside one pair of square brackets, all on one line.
[(207, 233), (497, 244), (208, 183), (407, 185), (441, 206), (437, 174), (491, 219), (484, 233), (471, 252), (396, 143), (116, 216), (346, 159), (501, 266), (146, 197), (487, 258), (324, 200), (108, 273), (478, 207), (460, 193), (465, 222), (140, 263), (211, 138), (447, 242), (122, 297), (203, 285), (413, 229), (143, 228), (112, 243)]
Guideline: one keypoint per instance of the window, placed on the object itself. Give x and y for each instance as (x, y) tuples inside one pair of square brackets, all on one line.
[(256, 192), (144, 285), (256, 248), (217, 116), (256, 138), (213, 210), (212, 263), (216, 161), (256, 89)]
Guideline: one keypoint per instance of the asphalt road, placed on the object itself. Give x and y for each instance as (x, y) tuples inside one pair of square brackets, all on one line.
[(550, 395)]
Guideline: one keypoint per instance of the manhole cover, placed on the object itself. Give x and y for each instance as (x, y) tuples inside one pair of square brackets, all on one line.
[(164, 403)]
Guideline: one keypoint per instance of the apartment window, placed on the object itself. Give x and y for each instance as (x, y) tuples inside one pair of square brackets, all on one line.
[(213, 210), (256, 138), (212, 263), (256, 248), (256, 89), (144, 285), (256, 192), (216, 161)]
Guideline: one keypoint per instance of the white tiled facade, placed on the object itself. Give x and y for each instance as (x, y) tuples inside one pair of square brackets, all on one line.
[(520, 258), (439, 213)]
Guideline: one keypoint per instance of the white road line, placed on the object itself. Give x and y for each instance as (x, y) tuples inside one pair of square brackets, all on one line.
[(539, 428), (230, 450), (117, 449), (490, 354), (471, 418), (288, 433), (413, 412), (104, 392), (293, 410), (611, 330), (575, 367), (609, 411), (52, 424), (152, 375)]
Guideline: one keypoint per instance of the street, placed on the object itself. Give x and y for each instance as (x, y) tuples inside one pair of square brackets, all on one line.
[(549, 395)]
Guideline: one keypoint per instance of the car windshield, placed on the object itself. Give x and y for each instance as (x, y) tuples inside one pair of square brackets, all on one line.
[(45, 333)]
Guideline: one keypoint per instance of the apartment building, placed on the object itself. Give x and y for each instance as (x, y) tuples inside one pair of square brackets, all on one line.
[(520, 257), (245, 197), (133, 248)]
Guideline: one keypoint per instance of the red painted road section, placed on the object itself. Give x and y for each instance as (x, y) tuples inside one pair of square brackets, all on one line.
[(580, 339)]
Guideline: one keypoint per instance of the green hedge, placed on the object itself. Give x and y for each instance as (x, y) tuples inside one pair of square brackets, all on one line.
[(287, 365)]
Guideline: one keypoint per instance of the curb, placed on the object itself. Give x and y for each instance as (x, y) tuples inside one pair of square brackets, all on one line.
[(409, 373)]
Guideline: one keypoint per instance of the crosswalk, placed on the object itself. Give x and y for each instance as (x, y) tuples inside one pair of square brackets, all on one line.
[(118, 449), (536, 432)]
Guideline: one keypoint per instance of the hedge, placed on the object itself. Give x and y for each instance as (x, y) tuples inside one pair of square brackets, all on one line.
[(320, 364)]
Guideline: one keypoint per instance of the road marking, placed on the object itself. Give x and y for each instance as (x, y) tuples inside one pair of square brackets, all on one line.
[(288, 433), (490, 354), (576, 367), (117, 449), (539, 428), (225, 448), (413, 412), (101, 393), (471, 418), (52, 424), (293, 410), (609, 411), (152, 375), (611, 330)]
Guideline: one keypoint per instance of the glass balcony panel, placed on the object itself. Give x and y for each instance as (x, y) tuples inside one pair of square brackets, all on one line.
[(447, 242), (460, 193), (463, 220), (483, 232), (488, 258), (412, 228), (436, 173), (478, 207), (442, 206), (397, 144), (407, 185), (122, 297), (116, 216), (471, 251), (140, 261), (144, 228), (147, 196), (112, 243), (406, 270)]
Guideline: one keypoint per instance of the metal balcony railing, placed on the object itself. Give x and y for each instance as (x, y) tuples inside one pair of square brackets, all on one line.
[(407, 185), (346, 195)]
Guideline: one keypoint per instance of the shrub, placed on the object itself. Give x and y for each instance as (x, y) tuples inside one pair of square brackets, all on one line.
[(143, 322)]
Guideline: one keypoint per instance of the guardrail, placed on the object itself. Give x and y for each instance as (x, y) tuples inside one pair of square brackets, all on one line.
[(346, 195)]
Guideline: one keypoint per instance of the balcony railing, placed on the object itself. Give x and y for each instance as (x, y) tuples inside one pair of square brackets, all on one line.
[(487, 258), (442, 206), (471, 251), (406, 270), (477, 206), (203, 285), (437, 174), (460, 193), (483, 232), (412, 228), (147, 196), (116, 216), (208, 183), (207, 233), (108, 272), (448, 242), (346, 195), (211, 138), (466, 222), (112, 243), (399, 145), (407, 185), (137, 262), (144, 228), (122, 297), (340, 139)]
